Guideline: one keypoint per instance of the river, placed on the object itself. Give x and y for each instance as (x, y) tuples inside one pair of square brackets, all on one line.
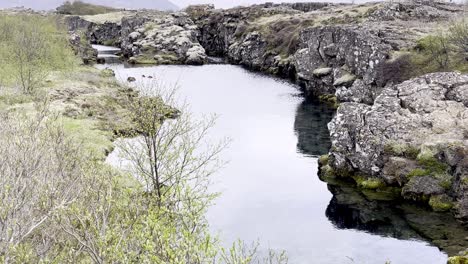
[(270, 189)]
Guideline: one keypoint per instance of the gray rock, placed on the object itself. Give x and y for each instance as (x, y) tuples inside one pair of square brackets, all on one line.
[(421, 187), (354, 48), (423, 112)]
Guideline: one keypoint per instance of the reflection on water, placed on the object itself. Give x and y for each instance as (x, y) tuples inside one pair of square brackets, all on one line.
[(270, 188), (351, 209), (310, 125)]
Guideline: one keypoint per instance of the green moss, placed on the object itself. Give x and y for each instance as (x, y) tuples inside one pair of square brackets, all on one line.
[(323, 160), (418, 172), (372, 184), (107, 73), (445, 180), (329, 99), (368, 183), (401, 150), (458, 260), (440, 203), (428, 160), (383, 194)]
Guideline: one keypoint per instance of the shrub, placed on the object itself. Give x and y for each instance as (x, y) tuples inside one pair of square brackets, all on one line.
[(31, 46), (397, 70), (80, 8)]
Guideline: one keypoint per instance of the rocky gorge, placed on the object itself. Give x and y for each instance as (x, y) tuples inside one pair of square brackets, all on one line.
[(395, 138)]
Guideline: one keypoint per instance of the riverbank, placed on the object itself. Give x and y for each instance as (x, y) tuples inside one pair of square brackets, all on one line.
[(91, 105)]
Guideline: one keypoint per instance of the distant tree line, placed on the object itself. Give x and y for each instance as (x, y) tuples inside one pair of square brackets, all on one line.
[(81, 8)]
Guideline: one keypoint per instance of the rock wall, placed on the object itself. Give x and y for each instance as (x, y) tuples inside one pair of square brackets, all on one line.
[(414, 137), (331, 49)]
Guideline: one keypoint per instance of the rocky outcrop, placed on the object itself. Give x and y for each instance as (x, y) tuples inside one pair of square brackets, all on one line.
[(328, 49), (82, 48), (335, 56), (413, 137), (146, 36), (163, 39), (97, 32)]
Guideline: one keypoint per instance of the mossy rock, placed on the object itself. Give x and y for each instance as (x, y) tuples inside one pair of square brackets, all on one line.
[(383, 194), (329, 99), (458, 260), (369, 183), (401, 150), (107, 73), (324, 159), (428, 160), (440, 203), (418, 172)]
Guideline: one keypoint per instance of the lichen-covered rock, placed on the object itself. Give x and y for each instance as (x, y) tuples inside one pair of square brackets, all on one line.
[(196, 55), (162, 39), (414, 135), (249, 52)]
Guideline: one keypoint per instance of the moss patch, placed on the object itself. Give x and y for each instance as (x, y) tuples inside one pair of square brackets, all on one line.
[(401, 150), (329, 99), (323, 160), (458, 260), (418, 172), (368, 183), (428, 160), (440, 203)]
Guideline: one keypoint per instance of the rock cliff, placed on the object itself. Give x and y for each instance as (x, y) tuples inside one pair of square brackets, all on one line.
[(414, 137), (326, 48)]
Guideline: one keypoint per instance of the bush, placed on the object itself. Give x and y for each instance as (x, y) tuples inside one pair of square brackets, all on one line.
[(396, 70), (31, 46), (80, 8)]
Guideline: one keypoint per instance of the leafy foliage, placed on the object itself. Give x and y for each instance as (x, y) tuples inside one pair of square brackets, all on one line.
[(31, 46)]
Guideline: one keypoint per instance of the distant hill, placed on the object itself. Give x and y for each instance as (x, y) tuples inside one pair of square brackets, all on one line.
[(128, 4)]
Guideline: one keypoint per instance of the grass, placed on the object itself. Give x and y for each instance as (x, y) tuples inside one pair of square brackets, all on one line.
[(86, 132), (114, 17)]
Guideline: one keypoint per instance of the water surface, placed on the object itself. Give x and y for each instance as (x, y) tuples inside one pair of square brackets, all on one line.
[(270, 189)]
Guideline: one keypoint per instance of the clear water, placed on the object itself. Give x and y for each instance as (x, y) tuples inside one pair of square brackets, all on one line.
[(270, 189)]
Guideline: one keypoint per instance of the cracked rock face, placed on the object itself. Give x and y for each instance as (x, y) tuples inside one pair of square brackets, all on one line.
[(430, 112), (354, 51)]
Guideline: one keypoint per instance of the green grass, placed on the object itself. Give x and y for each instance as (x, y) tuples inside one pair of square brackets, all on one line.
[(86, 132)]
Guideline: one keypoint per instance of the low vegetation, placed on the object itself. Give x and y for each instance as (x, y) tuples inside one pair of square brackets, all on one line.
[(61, 202), (442, 51), (81, 8), (31, 47)]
